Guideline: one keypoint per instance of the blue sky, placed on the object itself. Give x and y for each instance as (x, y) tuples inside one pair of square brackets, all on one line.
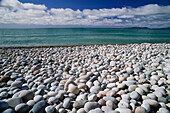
[(85, 13), (95, 4)]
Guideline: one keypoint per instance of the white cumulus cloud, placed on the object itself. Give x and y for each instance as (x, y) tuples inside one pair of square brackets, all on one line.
[(152, 15)]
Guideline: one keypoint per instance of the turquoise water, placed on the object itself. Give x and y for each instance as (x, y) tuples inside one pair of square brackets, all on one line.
[(80, 36)]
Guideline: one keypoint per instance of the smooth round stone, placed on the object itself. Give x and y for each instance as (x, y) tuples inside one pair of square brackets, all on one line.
[(4, 79), (109, 98), (9, 110), (31, 103), (125, 96), (111, 85), (97, 110), (79, 104), (81, 97), (22, 108), (163, 110), (162, 99), (158, 94), (49, 80), (13, 102), (92, 97), (134, 95), (26, 95), (4, 94), (106, 108), (128, 69), (123, 110), (38, 98), (81, 110), (49, 109), (73, 89), (112, 63), (151, 102), (40, 92), (152, 96), (95, 89), (132, 88), (90, 105), (140, 110), (3, 105), (111, 93), (129, 82), (110, 104), (38, 107), (123, 104), (102, 102), (146, 106), (67, 102), (121, 86), (140, 91), (17, 84), (53, 100), (62, 110)]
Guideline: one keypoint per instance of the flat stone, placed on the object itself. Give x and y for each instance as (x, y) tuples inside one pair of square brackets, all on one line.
[(90, 105), (132, 88), (79, 104), (151, 102), (140, 110), (9, 110), (26, 95), (38, 98), (95, 89), (134, 95), (22, 108), (50, 109), (39, 107), (123, 110), (67, 102), (13, 102), (17, 84), (3, 105)]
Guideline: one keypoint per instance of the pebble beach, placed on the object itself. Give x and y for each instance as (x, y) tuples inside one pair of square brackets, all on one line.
[(130, 78)]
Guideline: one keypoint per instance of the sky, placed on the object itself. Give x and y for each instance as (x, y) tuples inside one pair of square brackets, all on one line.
[(85, 13)]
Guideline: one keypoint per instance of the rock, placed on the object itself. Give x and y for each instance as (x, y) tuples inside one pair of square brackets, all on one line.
[(106, 108), (95, 89), (97, 110), (3, 105), (9, 110), (79, 104), (81, 110), (140, 91), (67, 102), (22, 108), (92, 97), (62, 110), (53, 100), (112, 63), (13, 102), (73, 89), (162, 99), (50, 109), (140, 110), (49, 80), (4, 79), (31, 103), (102, 102), (128, 69), (132, 88), (163, 110), (26, 95), (112, 111), (111, 93), (90, 105), (151, 102), (123, 110), (146, 106), (110, 104), (38, 98), (109, 98), (17, 84), (38, 107), (121, 86), (134, 95)]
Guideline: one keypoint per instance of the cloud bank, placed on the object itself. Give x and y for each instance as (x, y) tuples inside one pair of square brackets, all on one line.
[(152, 15)]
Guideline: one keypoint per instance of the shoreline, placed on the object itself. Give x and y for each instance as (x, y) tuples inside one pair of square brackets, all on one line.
[(56, 46)]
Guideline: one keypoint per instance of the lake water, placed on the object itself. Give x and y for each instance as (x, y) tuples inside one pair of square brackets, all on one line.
[(80, 36)]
